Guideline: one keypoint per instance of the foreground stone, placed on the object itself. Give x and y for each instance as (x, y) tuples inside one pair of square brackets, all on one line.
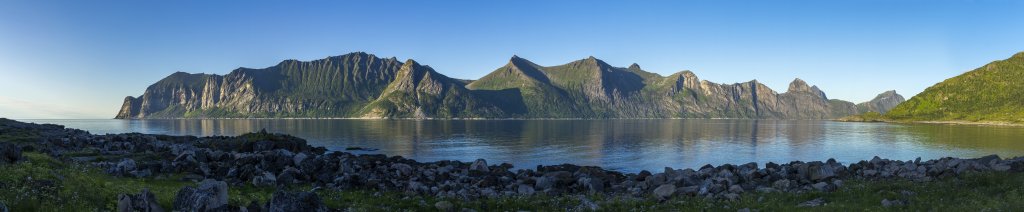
[(297, 201), (211, 195), (145, 201)]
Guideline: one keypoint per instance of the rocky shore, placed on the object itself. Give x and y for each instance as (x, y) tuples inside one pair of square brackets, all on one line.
[(280, 161)]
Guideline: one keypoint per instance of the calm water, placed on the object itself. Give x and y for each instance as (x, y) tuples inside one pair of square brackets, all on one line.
[(625, 145)]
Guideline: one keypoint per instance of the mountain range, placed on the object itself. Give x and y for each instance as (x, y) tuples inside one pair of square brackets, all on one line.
[(361, 85)]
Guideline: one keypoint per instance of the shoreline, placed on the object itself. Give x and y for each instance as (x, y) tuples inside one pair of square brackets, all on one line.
[(969, 123), (268, 160)]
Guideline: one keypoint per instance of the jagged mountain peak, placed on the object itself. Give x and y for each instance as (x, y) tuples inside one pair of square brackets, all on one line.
[(635, 67), (799, 85)]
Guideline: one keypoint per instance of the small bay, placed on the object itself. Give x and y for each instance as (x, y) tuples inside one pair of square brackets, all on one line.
[(619, 144)]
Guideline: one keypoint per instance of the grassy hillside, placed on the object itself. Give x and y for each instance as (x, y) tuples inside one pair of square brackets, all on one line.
[(994, 92)]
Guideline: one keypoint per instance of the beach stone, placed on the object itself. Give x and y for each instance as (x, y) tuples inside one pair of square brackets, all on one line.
[(145, 201), (444, 206), (587, 205), (782, 184), (821, 172), (295, 201), (265, 179), (525, 189), (665, 191), (821, 186), (479, 165), (402, 169), (893, 203), (211, 195), (812, 203), (298, 158), (736, 189)]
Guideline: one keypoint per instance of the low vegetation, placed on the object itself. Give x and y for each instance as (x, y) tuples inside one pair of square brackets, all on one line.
[(991, 93), (42, 183)]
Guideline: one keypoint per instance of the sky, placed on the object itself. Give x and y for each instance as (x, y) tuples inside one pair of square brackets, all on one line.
[(79, 59)]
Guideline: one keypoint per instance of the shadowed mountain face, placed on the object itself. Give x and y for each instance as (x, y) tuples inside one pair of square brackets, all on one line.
[(360, 85), (881, 103)]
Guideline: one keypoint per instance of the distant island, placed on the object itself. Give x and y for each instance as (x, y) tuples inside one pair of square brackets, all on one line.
[(361, 85)]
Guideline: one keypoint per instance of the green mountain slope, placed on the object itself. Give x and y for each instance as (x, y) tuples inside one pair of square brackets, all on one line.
[(994, 92)]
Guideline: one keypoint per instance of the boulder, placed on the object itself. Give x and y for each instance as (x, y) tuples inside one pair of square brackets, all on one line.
[(9, 153), (297, 201), (444, 206), (145, 201), (123, 168), (265, 179), (288, 176), (402, 169), (479, 165), (211, 195), (893, 203), (298, 158), (525, 189), (820, 172), (665, 191), (812, 203)]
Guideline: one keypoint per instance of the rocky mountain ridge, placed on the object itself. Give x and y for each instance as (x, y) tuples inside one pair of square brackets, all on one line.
[(361, 85)]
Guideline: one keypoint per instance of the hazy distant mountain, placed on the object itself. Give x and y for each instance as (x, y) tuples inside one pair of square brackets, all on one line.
[(882, 103), (360, 85), (994, 92)]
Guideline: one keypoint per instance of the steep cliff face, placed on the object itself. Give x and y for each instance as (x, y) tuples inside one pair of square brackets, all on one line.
[(363, 85), (882, 103), (331, 87)]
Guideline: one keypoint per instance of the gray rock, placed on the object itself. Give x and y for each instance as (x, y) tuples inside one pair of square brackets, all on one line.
[(812, 203), (544, 183), (298, 158), (731, 196), (893, 203), (587, 205), (211, 195), (265, 179), (821, 172), (665, 191), (402, 169), (145, 201), (479, 165), (295, 201), (821, 186), (525, 189), (736, 189), (592, 185), (444, 206), (689, 190), (288, 176), (782, 184), (9, 153)]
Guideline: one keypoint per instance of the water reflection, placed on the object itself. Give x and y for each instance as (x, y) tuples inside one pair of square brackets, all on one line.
[(628, 145)]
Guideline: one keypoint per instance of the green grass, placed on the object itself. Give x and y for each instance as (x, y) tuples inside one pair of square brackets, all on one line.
[(991, 93), (76, 187)]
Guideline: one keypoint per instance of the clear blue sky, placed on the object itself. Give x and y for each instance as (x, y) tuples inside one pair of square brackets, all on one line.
[(79, 59)]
